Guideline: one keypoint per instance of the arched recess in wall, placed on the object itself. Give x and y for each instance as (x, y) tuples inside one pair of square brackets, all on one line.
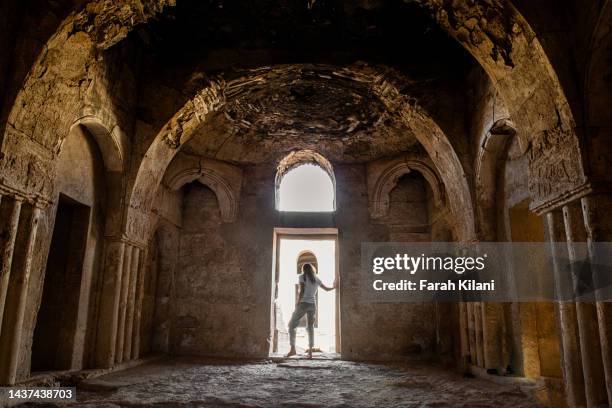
[(224, 179), (89, 166), (186, 122), (490, 158), (383, 177), (112, 144), (517, 65), (114, 147), (296, 159), (538, 353)]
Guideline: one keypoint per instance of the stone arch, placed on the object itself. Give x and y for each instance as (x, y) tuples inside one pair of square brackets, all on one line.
[(382, 181), (493, 32), (112, 143), (490, 155), (509, 51), (184, 124), (114, 147), (224, 179), (296, 159)]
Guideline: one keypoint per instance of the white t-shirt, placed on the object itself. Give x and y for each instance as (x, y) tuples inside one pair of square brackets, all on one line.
[(310, 289)]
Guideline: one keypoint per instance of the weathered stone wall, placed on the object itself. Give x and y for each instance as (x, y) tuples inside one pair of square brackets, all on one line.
[(159, 296), (223, 277), (220, 307), (25, 29), (402, 329), (514, 186)]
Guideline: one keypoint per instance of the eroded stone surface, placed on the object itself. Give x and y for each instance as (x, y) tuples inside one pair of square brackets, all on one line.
[(295, 383)]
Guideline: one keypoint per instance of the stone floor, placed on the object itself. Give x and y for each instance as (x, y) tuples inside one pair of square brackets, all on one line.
[(296, 382)]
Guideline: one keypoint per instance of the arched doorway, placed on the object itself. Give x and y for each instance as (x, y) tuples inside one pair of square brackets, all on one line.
[(63, 335)]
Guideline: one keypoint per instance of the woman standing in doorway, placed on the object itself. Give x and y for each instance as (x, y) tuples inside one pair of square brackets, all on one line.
[(306, 305)]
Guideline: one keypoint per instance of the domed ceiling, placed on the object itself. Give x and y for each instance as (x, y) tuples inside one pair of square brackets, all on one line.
[(284, 65), (299, 107)]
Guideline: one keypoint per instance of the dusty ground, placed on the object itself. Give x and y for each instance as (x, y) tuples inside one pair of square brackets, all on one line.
[(293, 383)]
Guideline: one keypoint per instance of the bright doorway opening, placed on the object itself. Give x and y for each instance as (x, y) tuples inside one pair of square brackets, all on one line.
[(294, 247)]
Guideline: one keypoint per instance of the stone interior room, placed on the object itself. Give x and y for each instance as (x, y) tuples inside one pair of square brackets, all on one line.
[(167, 166)]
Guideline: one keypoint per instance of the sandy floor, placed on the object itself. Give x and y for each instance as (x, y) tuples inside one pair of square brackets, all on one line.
[(293, 383)]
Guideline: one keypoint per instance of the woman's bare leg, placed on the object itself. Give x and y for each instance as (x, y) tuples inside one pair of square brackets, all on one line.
[(293, 323), (311, 318)]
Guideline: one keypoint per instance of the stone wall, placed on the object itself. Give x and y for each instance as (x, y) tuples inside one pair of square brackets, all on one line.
[(221, 306), (221, 303), (402, 329)]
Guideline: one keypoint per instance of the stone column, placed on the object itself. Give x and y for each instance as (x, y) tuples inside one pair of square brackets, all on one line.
[(125, 284), (142, 270), (479, 335), (471, 332), (15, 304), (586, 313), (464, 336), (9, 219), (109, 303), (597, 211), (571, 361), (492, 314), (129, 317)]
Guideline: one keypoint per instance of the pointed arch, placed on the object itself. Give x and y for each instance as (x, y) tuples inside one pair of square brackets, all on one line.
[(383, 181)]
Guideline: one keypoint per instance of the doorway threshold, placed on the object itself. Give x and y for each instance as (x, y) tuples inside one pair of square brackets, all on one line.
[(304, 357)]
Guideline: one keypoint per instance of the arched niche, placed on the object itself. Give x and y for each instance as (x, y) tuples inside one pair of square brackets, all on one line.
[(296, 159), (384, 175), (113, 148), (224, 179), (67, 280), (491, 154), (112, 143)]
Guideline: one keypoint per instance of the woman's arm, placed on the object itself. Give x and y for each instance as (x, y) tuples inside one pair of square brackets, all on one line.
[(327, 288)]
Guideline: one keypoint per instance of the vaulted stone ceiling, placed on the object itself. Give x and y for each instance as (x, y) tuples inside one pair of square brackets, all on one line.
[(284, 63), (273, 111)]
